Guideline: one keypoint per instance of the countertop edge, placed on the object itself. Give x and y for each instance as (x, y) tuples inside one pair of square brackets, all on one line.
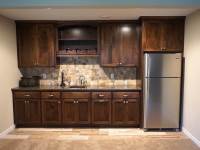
[(74, 89)]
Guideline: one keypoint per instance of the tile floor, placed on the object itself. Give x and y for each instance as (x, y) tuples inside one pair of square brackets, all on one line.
[(94, 139)]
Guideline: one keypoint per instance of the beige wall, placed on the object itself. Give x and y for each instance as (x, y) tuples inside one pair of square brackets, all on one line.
[(191, 112), (9, 73)]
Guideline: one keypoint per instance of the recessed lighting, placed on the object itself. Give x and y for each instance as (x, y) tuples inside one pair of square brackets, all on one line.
[(125, 29)]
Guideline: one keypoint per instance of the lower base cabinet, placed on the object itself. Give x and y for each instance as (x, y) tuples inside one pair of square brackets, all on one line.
[(101, 111), (27, 112), (125, 112), (76, 111), (76, 108), (51, 112)]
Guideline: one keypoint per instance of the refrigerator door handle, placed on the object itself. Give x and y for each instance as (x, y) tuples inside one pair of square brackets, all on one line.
[(146, 65), (146, 96)]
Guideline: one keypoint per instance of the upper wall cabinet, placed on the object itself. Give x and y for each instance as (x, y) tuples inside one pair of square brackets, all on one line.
[(36, 44), (119, 44), (163, 33)]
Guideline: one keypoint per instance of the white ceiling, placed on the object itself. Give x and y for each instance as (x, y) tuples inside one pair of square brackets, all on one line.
[(90, 13)]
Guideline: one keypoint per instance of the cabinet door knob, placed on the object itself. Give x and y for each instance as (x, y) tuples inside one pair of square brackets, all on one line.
[(127, 102), (74, 102), (124, 102), (120, 63), (59, 102), (77, 101)]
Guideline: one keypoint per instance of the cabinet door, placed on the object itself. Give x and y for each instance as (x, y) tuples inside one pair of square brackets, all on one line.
[(119, 112), (109, 41), (45, 45), (101, 111), (173, 35), (152, 35), (83, 111), (69, 111), (132, 113), (34, 112), (26, 41), (129, 44), (20, 111), (51, 112)]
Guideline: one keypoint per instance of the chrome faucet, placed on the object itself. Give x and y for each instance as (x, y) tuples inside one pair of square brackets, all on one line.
[(82, 80)]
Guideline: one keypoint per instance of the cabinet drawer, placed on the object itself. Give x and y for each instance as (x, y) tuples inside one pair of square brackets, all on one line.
[(66, 95), (50, 95), (26, 95), (99, 95), (117, 95)]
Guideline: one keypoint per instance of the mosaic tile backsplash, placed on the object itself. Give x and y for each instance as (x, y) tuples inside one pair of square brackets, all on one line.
[(74, 67)]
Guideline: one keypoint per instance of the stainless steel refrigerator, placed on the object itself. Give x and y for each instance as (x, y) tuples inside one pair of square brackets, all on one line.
[(162, 85)]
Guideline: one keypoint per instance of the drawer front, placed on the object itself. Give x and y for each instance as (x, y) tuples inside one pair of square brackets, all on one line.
[(117, 95), (27, 95), (50, 95), (101, 95), (66, 95)]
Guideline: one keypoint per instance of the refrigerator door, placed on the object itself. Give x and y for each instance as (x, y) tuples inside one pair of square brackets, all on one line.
[(162, 65), (161, 103)]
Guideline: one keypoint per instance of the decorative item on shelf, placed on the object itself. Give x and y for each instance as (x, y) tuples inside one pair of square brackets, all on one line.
[(70, 51), (33, 81), (92, 51)]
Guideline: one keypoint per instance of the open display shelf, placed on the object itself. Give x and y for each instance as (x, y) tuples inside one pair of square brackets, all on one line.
[(77, 41)]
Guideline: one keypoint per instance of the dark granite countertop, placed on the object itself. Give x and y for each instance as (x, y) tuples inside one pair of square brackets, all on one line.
[(89, 88)]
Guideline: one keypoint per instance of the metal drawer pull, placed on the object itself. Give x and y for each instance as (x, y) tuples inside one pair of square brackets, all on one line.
[(125, 95), (51, 95), (27, 95), (74, 102), (101, 101), (101, 95)]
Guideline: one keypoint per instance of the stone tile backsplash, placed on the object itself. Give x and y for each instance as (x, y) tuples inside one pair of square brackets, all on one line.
[(74, 67)]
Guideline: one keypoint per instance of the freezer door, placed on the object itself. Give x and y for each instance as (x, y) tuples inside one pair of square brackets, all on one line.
[(162, 65), (161, 103)]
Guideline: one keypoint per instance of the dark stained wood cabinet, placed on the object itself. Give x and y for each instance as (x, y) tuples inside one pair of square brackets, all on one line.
[(76, 108), (51, 111), (27, 110), (45, 45), (26, 42), (163, 33), (36, 44), (101, 108), (20, 112), (126, 110), (57, 108), (119, 44), (51, 108)]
